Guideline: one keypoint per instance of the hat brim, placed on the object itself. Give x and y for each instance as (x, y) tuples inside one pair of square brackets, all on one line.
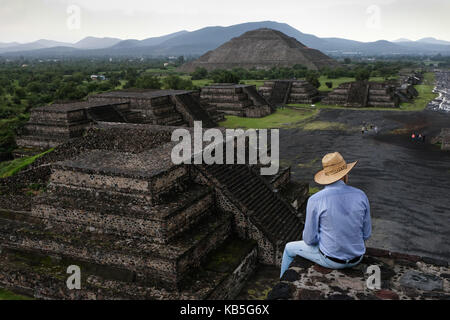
[(323, 179)]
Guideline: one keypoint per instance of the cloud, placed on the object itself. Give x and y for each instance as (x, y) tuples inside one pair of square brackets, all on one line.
[(27, 20)]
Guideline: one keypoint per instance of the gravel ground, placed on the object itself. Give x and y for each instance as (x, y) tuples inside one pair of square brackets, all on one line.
[(407, 183)]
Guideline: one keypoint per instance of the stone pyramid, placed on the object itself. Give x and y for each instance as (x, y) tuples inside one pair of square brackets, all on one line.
[(261, 49)]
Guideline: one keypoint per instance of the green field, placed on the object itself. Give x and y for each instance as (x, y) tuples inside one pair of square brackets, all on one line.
[(282, 118), (7, 295), (200, 83), (426, 94)]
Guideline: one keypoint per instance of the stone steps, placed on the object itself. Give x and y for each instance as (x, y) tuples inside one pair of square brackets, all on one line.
[(270, 212), (159, 265), (41, 142), (192, 110), (158, 223), (150, 173)]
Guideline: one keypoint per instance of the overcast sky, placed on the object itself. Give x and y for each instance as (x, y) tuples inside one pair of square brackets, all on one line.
[(363, 20)]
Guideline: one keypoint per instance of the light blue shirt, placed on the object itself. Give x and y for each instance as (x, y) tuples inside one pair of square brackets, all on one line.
[(338, 220)]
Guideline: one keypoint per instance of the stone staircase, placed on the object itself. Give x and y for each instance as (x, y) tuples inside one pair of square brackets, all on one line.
[(363, 94), (271, 214), (280, 92), (237, 100), (192, 110), (283, 92)]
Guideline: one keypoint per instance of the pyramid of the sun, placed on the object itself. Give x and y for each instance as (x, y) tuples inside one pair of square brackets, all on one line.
[(261, 49)]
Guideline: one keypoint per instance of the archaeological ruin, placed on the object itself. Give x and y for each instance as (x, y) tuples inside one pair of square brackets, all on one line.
[(237, 100), (363, 94), (139, 227), (52, 125), (261, 49), (283, 92)]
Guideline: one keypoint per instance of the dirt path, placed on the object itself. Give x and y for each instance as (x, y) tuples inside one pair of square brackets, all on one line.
[(407, 184)]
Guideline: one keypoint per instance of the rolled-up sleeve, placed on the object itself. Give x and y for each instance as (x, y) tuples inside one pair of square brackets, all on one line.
[(311, 231), (367, 224)]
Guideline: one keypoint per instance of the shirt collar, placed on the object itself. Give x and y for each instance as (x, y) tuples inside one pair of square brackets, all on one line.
[(337, 184)]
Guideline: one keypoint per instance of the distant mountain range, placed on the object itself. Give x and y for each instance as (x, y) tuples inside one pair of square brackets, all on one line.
[(425, 40), (199, 42)]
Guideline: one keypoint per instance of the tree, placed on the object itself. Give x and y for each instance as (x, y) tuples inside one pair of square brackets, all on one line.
[(362, 75), (313, 78), (177, 83), (180, 61), (224, 76), (20, 93), (131, 77), (148, 81), (199, 73)]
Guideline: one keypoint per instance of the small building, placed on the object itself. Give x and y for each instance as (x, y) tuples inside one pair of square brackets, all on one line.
[(98, 77)]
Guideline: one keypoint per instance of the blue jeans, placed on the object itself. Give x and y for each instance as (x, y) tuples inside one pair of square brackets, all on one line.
[(300, 248)]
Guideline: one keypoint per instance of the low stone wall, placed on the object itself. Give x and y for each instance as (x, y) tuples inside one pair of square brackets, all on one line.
[(403, 277)]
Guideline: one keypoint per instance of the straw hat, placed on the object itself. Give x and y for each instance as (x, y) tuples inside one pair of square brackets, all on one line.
[(334, 169)]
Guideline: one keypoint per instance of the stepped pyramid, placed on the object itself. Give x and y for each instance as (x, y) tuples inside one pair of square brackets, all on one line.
[(55, 124), (261, 49), (236, 99), (139, 226), (282, 92), (363, 94), (52, 125)]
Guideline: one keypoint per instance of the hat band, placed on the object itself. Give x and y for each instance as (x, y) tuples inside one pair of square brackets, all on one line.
[(330, 172)]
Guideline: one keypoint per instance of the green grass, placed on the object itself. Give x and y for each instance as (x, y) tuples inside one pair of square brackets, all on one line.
[(426, 94), (257, 83), (10, 168), (201, 83), (7, 295), (282, 118)]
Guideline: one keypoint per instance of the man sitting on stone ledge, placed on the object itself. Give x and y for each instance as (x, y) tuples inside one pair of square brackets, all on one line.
[(337, 220)]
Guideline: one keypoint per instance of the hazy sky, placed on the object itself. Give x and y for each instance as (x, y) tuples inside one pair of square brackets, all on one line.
[(364, 20)]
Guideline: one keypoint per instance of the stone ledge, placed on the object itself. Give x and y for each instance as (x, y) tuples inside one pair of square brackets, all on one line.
[(403, 277)]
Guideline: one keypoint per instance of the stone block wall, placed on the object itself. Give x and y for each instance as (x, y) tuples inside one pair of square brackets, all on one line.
[(403, 277)]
